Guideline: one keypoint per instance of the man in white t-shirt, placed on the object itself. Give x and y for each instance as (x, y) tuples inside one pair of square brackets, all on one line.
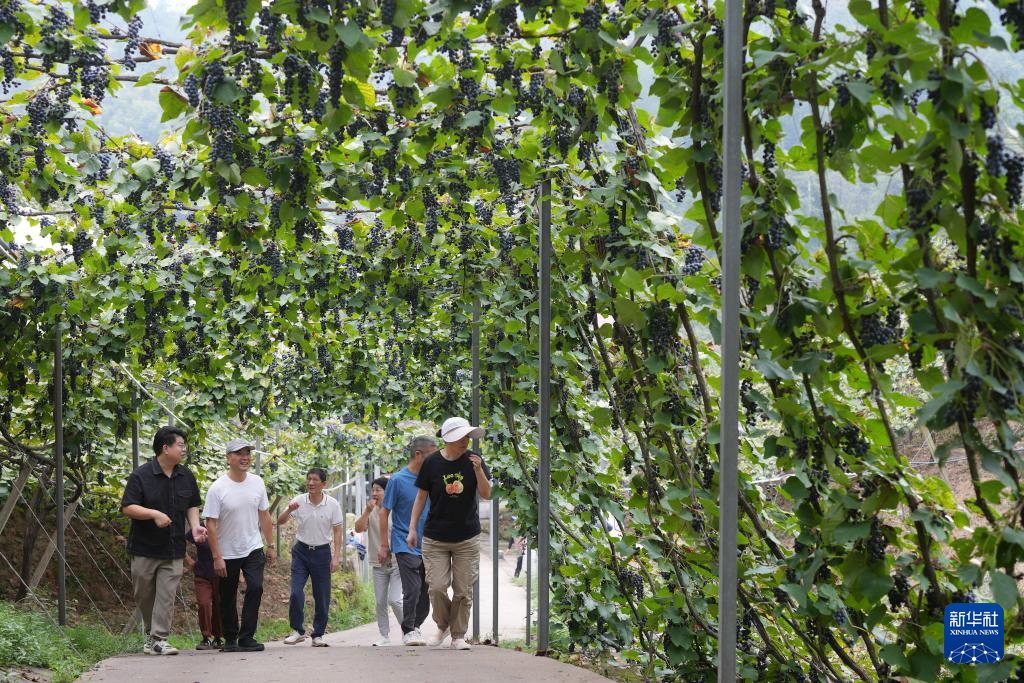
[(237, 511), (387, 581), (320, 521)]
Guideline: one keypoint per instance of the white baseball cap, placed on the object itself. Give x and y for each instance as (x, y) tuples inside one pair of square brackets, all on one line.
[(237, 445), (456, 428)]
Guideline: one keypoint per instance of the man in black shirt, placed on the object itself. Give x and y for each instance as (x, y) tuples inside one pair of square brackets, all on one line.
[(451, 478), (158, 497)]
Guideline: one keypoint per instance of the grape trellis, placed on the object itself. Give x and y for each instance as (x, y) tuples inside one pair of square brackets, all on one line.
[(341, 181)]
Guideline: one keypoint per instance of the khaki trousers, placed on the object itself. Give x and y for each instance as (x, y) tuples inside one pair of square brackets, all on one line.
[(456, 565), (155, 584)]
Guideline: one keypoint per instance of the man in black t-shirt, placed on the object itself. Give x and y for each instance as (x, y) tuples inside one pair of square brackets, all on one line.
[(451, 478)]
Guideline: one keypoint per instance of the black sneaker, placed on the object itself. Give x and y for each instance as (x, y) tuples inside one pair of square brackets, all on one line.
[(205, 644), (229, 646), (250, 646), (218, 643)]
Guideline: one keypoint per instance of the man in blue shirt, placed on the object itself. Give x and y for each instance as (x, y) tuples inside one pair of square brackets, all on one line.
[(399, 496)]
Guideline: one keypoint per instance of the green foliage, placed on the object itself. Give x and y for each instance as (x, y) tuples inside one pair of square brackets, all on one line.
[(352, 602), (340, 185), (31, 639)]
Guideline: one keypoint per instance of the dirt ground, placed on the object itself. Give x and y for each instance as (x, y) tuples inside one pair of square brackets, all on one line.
[(955, 471)]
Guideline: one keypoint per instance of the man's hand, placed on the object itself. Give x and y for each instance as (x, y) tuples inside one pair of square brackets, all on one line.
[(199, 535), (335, 561), (162, 521), (370, 504), (412, 539), (383, 554), (271, 555), (477, 462), (220, 567), (293, 506)]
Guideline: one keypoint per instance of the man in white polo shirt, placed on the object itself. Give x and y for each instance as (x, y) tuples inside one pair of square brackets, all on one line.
[(319, 518), (236, 512)]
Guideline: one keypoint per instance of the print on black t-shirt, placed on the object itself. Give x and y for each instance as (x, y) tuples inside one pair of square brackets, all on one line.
[(451, 486)]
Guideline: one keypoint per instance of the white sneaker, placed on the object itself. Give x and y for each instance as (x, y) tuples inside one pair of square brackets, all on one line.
[(438, 638), (147, 648), (294, 637), (460, 644), (413, 637), (384, 641), (319, 642), (162, 647)]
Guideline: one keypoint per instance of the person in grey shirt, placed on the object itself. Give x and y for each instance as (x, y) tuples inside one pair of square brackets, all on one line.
[(387, 581)]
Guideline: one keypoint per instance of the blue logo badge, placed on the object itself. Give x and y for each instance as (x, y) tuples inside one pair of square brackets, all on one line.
[(974, 633)]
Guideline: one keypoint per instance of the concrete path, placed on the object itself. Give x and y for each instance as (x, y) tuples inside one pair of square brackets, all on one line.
[(511, 610), (291, 664), (351, 655)]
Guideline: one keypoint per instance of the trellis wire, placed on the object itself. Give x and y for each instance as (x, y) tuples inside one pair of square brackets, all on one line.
[(39, 602), (95, 563), (60, 551)]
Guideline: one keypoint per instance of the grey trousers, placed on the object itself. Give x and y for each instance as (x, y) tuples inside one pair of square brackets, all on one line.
[(155, 584), (387, 588), (415, 601)]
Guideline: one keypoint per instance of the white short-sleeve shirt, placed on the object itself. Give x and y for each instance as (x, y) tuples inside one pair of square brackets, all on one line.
[(236, 506), (316, 522)]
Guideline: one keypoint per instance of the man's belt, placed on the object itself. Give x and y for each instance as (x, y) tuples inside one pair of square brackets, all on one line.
[(312, 547)]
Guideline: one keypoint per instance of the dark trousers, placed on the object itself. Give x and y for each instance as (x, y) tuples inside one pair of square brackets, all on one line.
[(519, 565), (208, 601), (251, 567), (316, 566), (415, 600)]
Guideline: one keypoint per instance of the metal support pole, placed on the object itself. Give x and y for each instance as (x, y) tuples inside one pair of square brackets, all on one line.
[(277, 527), (277, 538), (344, 522), (135, 429), (360, 505), (729, 409), (357, 499), (494, 563), (544, 448), (475, 419), (58, 457), (529, 591), (172, 420)]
